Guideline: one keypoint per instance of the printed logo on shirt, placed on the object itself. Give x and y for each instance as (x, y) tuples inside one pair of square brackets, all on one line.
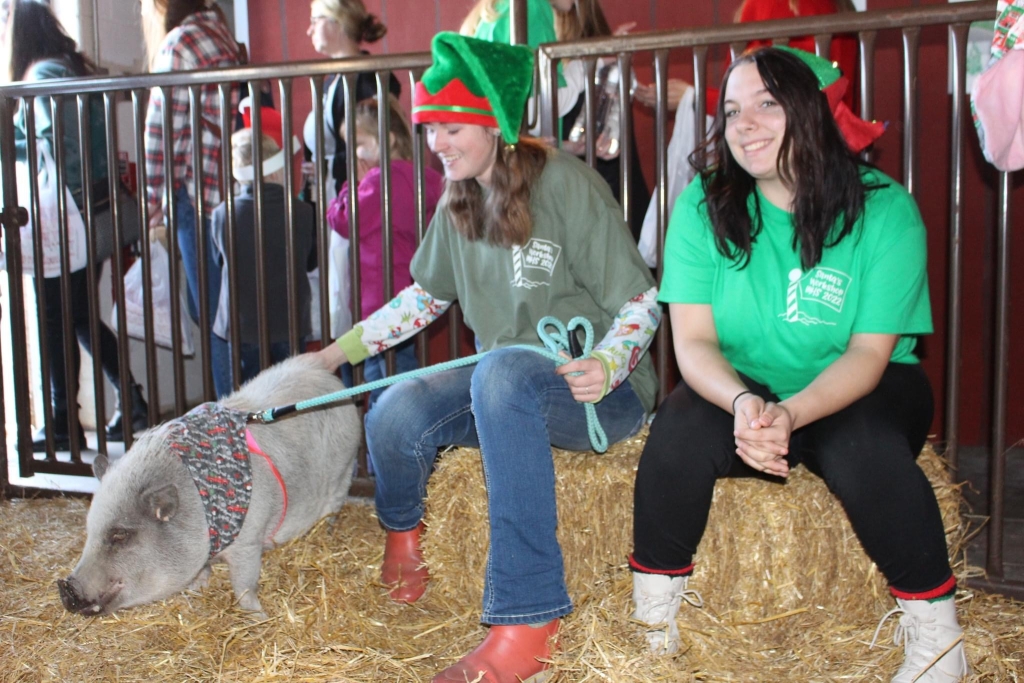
[(537, 255), (823, 286)]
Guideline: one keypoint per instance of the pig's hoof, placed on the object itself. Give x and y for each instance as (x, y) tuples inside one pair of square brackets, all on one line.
[(201, 580)]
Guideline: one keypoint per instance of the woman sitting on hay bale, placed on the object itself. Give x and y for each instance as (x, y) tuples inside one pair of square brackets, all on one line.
[(796, 283), (522, 232)]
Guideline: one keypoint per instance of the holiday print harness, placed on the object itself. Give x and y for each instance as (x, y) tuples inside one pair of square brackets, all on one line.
[(215, 445)]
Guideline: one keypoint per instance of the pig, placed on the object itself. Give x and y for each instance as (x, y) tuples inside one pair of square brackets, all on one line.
[(148, 535)]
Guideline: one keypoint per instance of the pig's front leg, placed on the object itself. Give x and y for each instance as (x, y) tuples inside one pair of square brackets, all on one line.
[(202, 578), (244, 567)]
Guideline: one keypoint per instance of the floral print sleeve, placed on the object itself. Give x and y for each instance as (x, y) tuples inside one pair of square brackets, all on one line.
[(402, 317), (627, 340)]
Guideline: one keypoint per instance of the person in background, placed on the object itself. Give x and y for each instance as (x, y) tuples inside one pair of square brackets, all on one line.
[(275, 240), (39, 49), (585, 19), (490, 20), (338, 29), (797, 285), (522, 232), (184, 35), (843, 49), (371, 228)]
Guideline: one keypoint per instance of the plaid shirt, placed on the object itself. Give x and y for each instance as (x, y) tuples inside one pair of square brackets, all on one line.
[(202, 41)]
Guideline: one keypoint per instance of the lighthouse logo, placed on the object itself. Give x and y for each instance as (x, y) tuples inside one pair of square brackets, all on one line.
[(537, 259), (808, 292)]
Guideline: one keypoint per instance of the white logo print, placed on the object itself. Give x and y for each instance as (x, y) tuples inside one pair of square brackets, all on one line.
[(824, 286), (539, 255)]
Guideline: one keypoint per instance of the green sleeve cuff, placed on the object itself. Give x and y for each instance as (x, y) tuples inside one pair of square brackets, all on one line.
[(606, 362), (353, 347)]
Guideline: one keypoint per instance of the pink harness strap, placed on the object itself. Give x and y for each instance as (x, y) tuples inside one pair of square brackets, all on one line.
[(254, 447)]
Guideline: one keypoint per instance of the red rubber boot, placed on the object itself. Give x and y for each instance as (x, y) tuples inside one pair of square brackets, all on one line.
[(403, 567), (509, 654)]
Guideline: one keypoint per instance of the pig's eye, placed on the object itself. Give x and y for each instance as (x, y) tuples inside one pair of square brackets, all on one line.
[(119, 537)]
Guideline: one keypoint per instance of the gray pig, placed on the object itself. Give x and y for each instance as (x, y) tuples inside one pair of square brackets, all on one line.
[(148, 530)]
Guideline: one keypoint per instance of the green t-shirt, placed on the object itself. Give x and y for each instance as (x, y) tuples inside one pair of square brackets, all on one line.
[(540, 27), (782, 326), (580, 260)]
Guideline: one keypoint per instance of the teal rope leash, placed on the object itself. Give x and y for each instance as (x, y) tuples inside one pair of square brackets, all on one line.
[(560, 340)]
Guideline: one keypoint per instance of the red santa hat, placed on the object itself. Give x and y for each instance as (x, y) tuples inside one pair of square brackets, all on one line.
[(271, 126)]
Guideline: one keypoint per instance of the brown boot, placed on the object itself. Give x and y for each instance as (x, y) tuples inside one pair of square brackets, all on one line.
[(403, 566), (509, 654)]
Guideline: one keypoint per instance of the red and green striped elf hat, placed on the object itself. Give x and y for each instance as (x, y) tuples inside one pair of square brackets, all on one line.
[(475, 81)]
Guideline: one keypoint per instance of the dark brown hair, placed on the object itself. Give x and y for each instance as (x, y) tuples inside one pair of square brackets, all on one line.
[(36, 34), (814, 162), (586, 20)]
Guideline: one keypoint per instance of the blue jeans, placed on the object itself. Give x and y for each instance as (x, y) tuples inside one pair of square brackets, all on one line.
[(185, 229), (513, 407)]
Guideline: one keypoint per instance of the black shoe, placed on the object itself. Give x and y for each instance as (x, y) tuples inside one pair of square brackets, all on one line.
[(61, 439), (140, 417)]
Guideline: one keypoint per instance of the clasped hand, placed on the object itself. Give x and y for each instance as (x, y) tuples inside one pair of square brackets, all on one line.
[(762, 430)]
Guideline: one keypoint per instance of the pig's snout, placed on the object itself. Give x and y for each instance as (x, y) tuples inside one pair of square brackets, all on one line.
[(72, 599)]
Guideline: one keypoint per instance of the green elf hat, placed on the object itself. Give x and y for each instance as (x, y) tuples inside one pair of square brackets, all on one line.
[(857, 132), (475, 81)]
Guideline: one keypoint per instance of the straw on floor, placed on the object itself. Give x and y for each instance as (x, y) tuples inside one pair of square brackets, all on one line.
[(788, 592)]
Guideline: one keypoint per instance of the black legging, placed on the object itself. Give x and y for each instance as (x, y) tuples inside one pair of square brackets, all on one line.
[(865, 453), (59, 384)]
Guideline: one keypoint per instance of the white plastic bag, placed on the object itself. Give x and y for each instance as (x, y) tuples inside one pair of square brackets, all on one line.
[(48, 217), (338, 285), (680, 173), (134, 306)]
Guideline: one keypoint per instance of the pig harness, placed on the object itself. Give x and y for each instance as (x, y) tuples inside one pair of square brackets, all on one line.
[(214, 444), (562, 340)]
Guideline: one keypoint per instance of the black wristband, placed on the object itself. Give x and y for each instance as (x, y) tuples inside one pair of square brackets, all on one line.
[(736, 398)]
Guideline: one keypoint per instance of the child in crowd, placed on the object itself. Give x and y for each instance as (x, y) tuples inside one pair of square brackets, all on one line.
[(371, 228), (274, 251)]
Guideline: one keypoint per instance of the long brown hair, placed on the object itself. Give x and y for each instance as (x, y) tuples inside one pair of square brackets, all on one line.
[(503, 217), (586, 20), (160, 17), (36, 34), (368, 123), (813, 160)]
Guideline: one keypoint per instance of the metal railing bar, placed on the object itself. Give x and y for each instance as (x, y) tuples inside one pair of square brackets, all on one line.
[(954, 335), (292, 292), (200, 209), (70, 339), (911, 41), (171, 215), (262, 313), (227, 117), (997, 459), (419, 180), (661, 170), (725, 34), (387, 243), (91, 266), (311, 69), (626, 135), (152, 370)]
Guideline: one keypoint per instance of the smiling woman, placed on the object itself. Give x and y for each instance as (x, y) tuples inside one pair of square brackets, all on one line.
[(522, 232), (797, 285)]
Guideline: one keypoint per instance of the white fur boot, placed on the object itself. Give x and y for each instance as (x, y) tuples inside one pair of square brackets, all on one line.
[(657, 598), (932, 642)]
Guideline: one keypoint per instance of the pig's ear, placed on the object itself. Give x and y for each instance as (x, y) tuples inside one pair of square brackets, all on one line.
[(100, 465), (162, 503)]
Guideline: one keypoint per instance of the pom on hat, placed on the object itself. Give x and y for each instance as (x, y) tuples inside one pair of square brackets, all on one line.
[(475, 81), (271, 126), (857, 132)]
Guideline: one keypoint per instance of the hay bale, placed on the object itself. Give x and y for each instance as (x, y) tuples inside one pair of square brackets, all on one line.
[(769, 548)]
